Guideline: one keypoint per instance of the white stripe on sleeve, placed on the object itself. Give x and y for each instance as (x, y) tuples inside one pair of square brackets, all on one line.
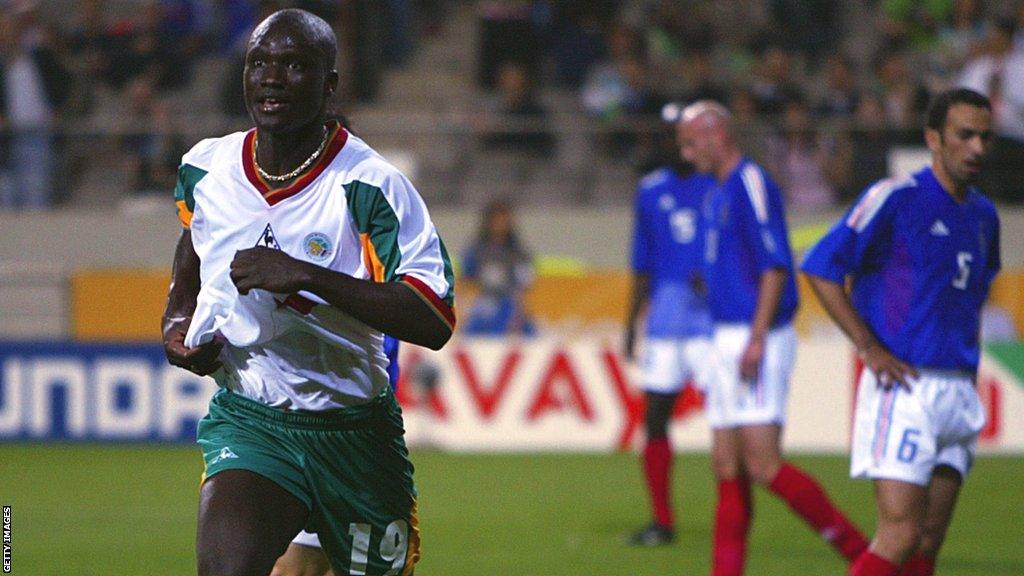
[(872, 202), (753, 181)]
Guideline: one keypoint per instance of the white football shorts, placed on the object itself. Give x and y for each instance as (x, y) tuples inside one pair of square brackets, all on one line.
[(732, 402), (904, 435), (307, 539), (669, 363)]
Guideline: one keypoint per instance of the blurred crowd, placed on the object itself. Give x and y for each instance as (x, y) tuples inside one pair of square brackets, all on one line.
[(117, 83), (822, 89)]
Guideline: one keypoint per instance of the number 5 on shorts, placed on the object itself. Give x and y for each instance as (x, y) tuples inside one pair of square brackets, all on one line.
[(908, 446), (392, 547)]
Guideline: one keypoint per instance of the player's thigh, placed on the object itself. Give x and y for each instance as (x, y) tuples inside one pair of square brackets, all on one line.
[(698, 353), (366, 511), (943, 492), (246, 521), (663, 366), (732, 401), (900, 502), (302, 560), (893, 436)]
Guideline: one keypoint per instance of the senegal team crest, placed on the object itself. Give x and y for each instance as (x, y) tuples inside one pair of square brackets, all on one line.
[(317, 246)]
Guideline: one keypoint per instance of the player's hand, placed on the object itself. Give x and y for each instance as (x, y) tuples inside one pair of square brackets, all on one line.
[(889, 370), (201, 360), (750, 361), (629, 344), (267, 269)]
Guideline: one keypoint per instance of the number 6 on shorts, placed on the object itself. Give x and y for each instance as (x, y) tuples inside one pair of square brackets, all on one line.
[(908, 446)]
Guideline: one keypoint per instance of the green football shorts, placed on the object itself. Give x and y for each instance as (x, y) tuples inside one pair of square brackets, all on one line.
[(349, 466)]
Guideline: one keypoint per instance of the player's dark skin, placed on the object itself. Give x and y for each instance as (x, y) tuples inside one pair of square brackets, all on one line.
[(246, 521)]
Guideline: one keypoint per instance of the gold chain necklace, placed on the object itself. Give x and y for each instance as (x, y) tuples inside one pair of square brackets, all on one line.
[(302, 167)]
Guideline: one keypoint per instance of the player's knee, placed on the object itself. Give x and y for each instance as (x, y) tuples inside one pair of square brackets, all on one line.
[(725, 466), (932, 538), (905, 536), (761, 466)]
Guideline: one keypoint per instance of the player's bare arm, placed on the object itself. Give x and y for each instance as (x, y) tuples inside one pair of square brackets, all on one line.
[(640, 294), (391, 307), (181, 303), (769, 292), (889, 369)]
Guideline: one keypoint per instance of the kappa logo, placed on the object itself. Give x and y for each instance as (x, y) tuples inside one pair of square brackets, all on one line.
[(939, 229), (268, 238), (225, 454)]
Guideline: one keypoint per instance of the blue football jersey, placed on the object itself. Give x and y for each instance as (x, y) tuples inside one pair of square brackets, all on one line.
[(746, 236), (667, 246), (391, 351), (922, 264)]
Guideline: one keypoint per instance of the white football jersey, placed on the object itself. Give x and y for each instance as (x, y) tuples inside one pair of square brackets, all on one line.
[(352, 212)]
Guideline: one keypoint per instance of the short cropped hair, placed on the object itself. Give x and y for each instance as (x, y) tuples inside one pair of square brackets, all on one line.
[(939, 107)]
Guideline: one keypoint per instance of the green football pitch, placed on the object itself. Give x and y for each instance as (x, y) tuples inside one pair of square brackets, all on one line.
[(130, 510)]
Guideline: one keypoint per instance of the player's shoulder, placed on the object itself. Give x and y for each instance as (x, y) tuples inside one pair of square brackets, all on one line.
[(880, 194), (751, 177), (360, 162), (205, 152), (655, 179)]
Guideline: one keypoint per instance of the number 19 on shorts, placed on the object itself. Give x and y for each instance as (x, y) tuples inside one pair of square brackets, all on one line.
[(393, 547)]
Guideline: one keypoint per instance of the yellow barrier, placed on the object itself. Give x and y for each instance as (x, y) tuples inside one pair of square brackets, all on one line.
[(118, 305), (127, 304)]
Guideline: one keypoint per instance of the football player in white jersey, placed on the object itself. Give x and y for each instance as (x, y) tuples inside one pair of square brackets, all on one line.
[(301, 246)]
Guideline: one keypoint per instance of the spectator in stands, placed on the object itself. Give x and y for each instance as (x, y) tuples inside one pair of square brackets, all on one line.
[(810, 28), (999, 74), (161, 40), (149, 145), (508, 31), (618, 91), (518, 120), (702, 77), (33, 88), (501, 267), (94, 47), (841, 93), (960, 38), (803, 160), (773, 79), (577, 40), (902, 95)]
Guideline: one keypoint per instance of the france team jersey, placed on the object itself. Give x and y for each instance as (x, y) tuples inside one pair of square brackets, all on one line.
[(746, 236), (667, 246), (921, 263)]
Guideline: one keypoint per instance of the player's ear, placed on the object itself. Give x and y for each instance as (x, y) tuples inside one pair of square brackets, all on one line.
[(933, 138), (331, 83)]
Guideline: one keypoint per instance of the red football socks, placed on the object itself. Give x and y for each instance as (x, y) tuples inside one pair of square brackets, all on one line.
[(918, 566), (807, 498), (868, 564), (732, 524), (658, 470)]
